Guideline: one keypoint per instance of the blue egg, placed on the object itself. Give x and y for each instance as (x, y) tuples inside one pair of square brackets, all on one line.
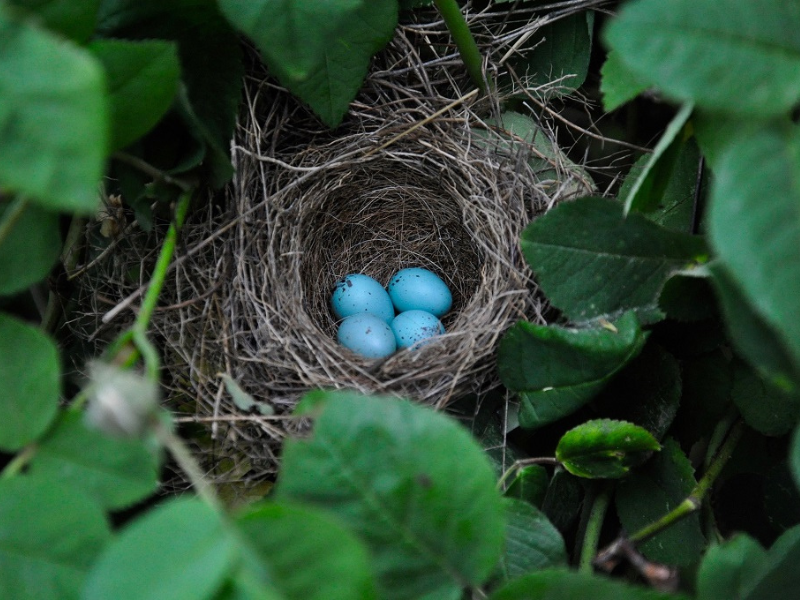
[(419, 289), (367, 335), (414, 326), (361, 294)]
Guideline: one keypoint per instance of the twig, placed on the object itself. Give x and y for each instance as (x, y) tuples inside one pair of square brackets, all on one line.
[(539, 460), (690, 505), (148, 169), (12, 215)]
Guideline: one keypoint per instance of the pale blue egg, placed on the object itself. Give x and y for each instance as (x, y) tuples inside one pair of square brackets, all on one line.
[(367, 335), (413, 326), (419, 289), (361, 294)]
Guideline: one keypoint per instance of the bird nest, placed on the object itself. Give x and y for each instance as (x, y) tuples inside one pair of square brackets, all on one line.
[(414, 177)]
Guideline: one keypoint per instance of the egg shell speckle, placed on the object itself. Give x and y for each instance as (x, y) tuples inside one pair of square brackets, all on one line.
[(413, 326), (358, 293), (416, 288), (367, 335)]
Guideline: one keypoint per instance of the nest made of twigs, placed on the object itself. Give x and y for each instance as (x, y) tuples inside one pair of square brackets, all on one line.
[(413, 177)]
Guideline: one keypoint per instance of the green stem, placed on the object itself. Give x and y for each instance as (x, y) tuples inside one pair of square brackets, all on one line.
[(695, 499), (164, 258), (188, 464), (467, 48), (594, 524), (19, 462), (11, 216)]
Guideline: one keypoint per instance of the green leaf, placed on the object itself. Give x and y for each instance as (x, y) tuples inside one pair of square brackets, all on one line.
[(30, 374), (75, 20), (53, 116), (49, 536), (558, 52), (764, 407), (292, 35), (729, 569), (618, 85), (334, 82), (555, 171), (741, 569), (30, 243), (752, 336), (142, 81), (529, 485), (651, 182), (707, 382), (210, 61), (651, 492), (562, 503), (289, 540), (604, 448), (781, 498), (647, 391), (728, 56), (410, 482), (754, 224), (116, 472), (556, 584), (179, 550), (532, 543), (591, 261), (556, 370)]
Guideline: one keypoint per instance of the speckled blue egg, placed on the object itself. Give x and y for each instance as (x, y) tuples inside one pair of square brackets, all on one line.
[(419, 289), (414, 326), (361, 294), (367, 335)]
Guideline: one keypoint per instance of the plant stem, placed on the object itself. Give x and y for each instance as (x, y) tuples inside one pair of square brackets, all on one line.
[(467, 48), (19, 462), (148, 169), (540, 460), (695, 499), (164, 258), (594, 524), (188, 464)]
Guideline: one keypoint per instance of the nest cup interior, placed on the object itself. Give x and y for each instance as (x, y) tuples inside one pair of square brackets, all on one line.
[(377, 224)]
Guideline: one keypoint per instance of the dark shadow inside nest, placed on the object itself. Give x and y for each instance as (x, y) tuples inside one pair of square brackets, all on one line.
[(378, 226)]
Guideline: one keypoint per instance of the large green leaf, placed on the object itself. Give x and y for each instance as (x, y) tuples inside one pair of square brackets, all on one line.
[(117, 472), (725, 55), (591, 261), (142, 81), (49, 536), (558, 52), (292, 35), (754, 225), (604, 448), (562, 503), (411, 482), (618, 85), (178, 551), (75, 20), (752, 336), (530, 485), (288, 540), (210, 60), (30, 243), (30, 374), (532, 543), (729, 569), (651, 492), (334, 82), (564, 584), (556, 370), (740, 569), (764, 407), (53, 118), (647, 190)]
